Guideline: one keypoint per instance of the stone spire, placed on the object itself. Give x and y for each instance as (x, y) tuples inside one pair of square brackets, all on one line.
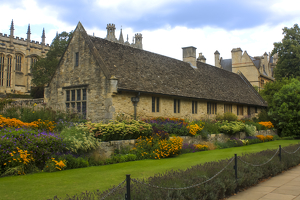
[(11, 32), (121, 39), (43, 40), (28, 37), (127, 42)]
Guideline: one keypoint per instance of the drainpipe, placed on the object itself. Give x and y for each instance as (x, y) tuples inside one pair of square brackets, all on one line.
[(135, 100)]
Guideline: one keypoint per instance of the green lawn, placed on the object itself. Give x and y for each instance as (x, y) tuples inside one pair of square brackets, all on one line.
[(47, 185)]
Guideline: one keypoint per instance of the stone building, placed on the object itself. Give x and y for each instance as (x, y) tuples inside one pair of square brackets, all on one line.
[(101, 79), (258, 70), (17, 55)]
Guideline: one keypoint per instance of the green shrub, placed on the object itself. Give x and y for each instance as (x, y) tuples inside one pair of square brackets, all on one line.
[(250, 130), (227, 116), (79, 139), (231, 128), (120, 130), (210, 127)]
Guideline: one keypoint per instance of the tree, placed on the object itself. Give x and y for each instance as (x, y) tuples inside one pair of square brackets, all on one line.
[(44, 68), (288, 64), (285, 111), (271, 88)]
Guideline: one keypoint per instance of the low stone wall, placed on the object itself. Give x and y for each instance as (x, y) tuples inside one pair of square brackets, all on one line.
[(106, 149)]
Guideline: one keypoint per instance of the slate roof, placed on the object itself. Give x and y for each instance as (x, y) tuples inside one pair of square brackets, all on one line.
[(143, 71), (227, 64)]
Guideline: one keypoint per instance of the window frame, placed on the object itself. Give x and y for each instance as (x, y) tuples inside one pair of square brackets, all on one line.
[(18, 62), (79, 102), (194, 107), (240, 109), (176, 105), (9, 71), (76, 59), (2, 58), (226, 109), (155, 104), (212, 107)]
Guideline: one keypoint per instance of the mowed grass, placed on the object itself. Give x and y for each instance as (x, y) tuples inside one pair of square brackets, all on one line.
[(47, 185)]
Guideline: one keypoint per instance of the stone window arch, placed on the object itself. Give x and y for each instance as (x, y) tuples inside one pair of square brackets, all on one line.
[(1, 69), (18, 62), (9, 71)]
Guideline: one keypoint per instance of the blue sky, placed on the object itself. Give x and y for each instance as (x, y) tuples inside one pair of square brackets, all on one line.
[(166, 25)]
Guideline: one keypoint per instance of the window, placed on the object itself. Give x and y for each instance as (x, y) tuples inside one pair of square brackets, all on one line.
[(33, 61), (155, 104), (76, 59), (211, 108), (176, 106), (9, 66), (76, 99), (240, 110), (227, 108), (194, 107), (1, 69), (255, 109), (262, 83), (249, 110), (18, 62)]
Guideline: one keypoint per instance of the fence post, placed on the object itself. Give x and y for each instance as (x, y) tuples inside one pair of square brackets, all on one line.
[(279, 153), (235, 168), (127, 196)]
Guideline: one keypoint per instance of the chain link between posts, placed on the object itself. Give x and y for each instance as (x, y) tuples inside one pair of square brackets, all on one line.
[(112, 190), (184, 188), (259, 164), (291, 152)]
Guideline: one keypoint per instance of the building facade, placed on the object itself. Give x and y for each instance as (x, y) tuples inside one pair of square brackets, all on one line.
[(258, 70), (17, 55), (102, 79)]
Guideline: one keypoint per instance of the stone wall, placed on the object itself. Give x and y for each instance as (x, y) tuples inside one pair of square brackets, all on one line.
[(122, 105), (107, 148)]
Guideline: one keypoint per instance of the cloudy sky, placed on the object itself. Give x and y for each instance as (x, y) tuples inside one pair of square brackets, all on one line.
[(166, 25)]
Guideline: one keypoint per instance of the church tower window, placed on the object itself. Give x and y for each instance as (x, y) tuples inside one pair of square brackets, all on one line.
[(18, 62), (8, 80), (1, 69)]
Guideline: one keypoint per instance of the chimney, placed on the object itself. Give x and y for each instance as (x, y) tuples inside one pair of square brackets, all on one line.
[(217, 59), (189, 55), (236, 54), (201, 58)]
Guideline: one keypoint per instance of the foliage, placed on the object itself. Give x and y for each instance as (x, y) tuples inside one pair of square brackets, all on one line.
[(120, 130), (173, 126), (250, 130), (4, 102), (211, 127), (19, 163), (191, 148), (231, 128), (43, 70), (227, 116), (79, 139), (268, 124), (74, 161), (288, 53), (265, 138), (53, 165), (156, 148), (220, 187), (51, 119), (194, 128), (286, 110), (40, 144)]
